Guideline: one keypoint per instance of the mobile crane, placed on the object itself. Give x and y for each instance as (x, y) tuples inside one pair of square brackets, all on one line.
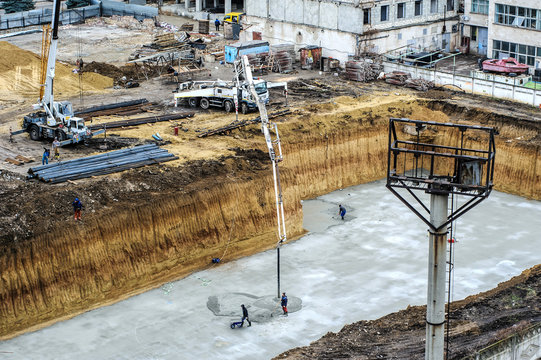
[(54, 119)]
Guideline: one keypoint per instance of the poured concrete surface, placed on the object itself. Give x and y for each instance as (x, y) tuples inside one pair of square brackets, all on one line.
[(371, 264)]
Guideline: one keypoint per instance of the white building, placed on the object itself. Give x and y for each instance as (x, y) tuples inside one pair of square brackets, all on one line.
[(505, 28), (346, 27)]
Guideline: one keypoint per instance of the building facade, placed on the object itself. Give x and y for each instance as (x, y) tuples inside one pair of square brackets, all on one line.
[(504, 28), (349, 27)]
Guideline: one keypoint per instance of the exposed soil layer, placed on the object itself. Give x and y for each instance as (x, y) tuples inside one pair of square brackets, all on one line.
[(476, 322)]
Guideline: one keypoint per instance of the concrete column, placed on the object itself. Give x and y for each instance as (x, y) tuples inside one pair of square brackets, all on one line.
[(186, 4), (227, 6), (215, 3), (435, 305), (198, 5)]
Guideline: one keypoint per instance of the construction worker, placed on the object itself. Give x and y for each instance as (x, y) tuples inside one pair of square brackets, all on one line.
[(217, 24), (45, 157), (56, 147), (341, 211), (284, 303), (77, 206), (245, 316)]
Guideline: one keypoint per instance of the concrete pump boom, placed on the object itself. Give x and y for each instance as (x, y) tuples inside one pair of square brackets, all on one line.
[(243, 67)]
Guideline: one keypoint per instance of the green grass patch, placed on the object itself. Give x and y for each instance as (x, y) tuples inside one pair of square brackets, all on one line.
[(533, 85)]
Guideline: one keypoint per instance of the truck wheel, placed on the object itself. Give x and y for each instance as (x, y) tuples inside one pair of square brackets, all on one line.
[(244, 108), (193, 102), (228, 106), (60, 135), (204, 103), (34, 133)]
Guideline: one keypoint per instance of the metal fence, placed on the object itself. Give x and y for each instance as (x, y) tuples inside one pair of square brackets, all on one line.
[(78, 15)]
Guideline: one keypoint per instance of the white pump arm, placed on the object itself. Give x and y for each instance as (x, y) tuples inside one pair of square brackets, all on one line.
[(275, 159)]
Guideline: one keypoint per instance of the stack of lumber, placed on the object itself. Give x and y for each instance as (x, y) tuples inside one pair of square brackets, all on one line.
[(363, 70), (404, 79), (162, 43), (186, 27), (203, 26), (102, 164), (397, 78), (283, 62)]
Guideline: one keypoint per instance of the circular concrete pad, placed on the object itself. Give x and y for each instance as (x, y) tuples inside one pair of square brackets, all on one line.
[(260, 308)]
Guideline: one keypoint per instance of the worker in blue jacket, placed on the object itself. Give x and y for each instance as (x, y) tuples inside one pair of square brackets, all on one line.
[(284, 303), (77, 206), (342, 211), (217, 24), (45, 158)]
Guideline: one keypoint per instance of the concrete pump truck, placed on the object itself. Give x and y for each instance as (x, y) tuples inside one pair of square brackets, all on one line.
[(53, 119)]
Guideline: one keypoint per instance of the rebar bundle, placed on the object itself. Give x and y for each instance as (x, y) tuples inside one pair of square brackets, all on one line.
[(101, 164)]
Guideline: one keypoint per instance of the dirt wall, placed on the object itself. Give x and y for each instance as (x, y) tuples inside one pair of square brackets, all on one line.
[(166, 232)]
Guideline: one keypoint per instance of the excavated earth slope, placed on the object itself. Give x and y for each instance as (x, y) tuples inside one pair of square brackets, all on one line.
[(148, 226), (20, 73)]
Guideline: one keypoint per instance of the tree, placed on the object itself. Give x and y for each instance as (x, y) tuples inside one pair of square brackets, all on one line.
[(13, 6), (77, 3)]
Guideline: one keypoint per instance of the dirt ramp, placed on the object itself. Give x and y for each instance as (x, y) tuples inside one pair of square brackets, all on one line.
[(20, 73)]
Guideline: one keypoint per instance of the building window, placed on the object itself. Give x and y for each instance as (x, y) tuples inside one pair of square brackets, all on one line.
[(450, 5), (433, 6), (384, 13), (366, 16), (401, 11), (525, 54), (518, 16), (479, 6), (418, 7)]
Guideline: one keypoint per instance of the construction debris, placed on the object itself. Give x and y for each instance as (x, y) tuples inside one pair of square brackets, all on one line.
[(402, 78), (241, 123), (102, 164), (19, 160), (140, 121)]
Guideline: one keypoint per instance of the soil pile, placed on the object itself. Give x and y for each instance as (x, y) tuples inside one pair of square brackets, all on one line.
[(20, 72), (112, 71)]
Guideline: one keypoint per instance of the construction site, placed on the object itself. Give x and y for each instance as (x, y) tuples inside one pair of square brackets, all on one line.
[(212, 173)]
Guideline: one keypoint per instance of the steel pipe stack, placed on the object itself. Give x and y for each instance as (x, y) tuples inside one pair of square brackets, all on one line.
[(102, 164)]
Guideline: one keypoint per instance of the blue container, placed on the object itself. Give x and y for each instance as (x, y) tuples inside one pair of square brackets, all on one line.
[(233, 51)]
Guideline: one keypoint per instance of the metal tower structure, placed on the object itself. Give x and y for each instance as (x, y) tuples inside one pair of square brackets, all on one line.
[(417, 163)]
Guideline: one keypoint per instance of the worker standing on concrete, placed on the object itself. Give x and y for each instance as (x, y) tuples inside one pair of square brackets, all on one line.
[(284, 303), (56, 147), (217, 24), (342, 211), (245, 316), (77, 206), (45, 158)]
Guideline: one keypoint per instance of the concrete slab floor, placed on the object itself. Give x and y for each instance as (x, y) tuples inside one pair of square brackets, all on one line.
[(372, 263)]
